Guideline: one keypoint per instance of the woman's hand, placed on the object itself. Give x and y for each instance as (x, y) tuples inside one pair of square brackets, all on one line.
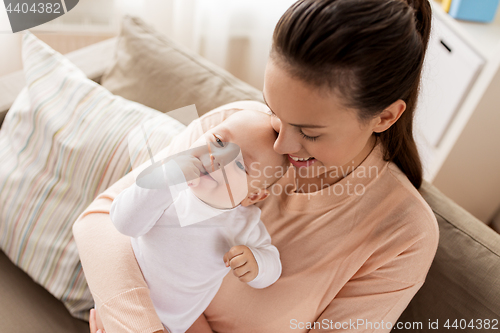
[(242, 262), (95, 323)]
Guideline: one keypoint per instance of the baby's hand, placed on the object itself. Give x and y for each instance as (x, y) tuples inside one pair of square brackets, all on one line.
[(243, 263), (191, 168)]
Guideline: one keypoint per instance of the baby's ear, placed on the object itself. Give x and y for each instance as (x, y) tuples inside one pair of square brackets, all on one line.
[(255, 196)]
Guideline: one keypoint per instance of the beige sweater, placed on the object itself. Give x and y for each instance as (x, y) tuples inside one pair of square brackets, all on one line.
[(353, 255)]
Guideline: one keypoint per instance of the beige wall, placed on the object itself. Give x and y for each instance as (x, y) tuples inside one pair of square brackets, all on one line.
[(10, 53), (471, 174), (64, 43), (10, 47)]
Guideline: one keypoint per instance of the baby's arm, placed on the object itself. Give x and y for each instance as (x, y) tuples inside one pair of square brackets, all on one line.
[(260, 254), (136, 209)]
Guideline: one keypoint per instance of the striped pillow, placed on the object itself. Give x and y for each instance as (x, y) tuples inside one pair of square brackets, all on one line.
[(63, 142)]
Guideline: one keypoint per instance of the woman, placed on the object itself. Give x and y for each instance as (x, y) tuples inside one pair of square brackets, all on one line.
[(355, 237)]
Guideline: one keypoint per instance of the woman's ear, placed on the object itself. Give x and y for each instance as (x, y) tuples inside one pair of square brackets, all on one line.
[(254, 197), (389, 116)]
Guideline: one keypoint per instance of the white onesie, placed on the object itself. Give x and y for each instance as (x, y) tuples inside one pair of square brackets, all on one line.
[(179, 242)]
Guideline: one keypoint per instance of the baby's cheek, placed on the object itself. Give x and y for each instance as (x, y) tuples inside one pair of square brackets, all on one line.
[(239, 191)]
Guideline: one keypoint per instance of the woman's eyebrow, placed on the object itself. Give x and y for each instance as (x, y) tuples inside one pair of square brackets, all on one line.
[(295, 125)]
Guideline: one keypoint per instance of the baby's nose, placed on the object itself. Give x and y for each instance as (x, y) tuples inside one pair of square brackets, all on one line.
[(223, 154)]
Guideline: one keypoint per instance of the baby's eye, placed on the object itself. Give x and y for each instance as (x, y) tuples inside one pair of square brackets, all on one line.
[(219, 141), (240, 165)]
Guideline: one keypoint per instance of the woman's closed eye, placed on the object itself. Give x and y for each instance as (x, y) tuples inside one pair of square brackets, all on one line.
[(307, 137)]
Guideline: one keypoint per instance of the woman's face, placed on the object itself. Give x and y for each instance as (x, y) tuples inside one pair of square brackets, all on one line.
[(313, 124)]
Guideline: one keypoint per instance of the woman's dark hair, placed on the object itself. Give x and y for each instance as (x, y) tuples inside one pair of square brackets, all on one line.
[(372, 51)]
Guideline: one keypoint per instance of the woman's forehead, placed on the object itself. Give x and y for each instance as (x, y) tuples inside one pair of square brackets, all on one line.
[(300, 103)]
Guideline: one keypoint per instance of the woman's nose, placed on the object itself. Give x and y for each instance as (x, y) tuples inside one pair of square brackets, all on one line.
[(286, 143)]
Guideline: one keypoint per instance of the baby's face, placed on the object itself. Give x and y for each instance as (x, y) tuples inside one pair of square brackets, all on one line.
[(243, 145)]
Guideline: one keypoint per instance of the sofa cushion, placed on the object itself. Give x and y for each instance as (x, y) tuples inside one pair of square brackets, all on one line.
[(27, 307), (64, 141), (155, 71), (463, 281)]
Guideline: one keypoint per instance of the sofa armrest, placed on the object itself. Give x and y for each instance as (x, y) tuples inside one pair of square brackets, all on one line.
[(462, 283), (92, 60)]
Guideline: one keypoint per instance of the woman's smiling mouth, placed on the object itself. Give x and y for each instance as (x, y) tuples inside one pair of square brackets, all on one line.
[(300, 162)]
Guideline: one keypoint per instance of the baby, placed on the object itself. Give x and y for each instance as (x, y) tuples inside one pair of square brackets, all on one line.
[(186, 236)]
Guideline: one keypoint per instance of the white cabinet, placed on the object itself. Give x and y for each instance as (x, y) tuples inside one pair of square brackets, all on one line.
[(457, 122), (450, 69)]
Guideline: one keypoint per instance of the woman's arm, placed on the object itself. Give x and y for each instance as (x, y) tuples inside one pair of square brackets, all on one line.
[(113, 275), (120, 293), (373, 301)]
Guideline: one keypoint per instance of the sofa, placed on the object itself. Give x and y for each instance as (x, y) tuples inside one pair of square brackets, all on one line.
[(462, 288)]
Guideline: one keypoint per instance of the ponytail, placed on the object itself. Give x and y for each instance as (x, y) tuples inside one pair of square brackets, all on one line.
[(423, 16), (398, 140)]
